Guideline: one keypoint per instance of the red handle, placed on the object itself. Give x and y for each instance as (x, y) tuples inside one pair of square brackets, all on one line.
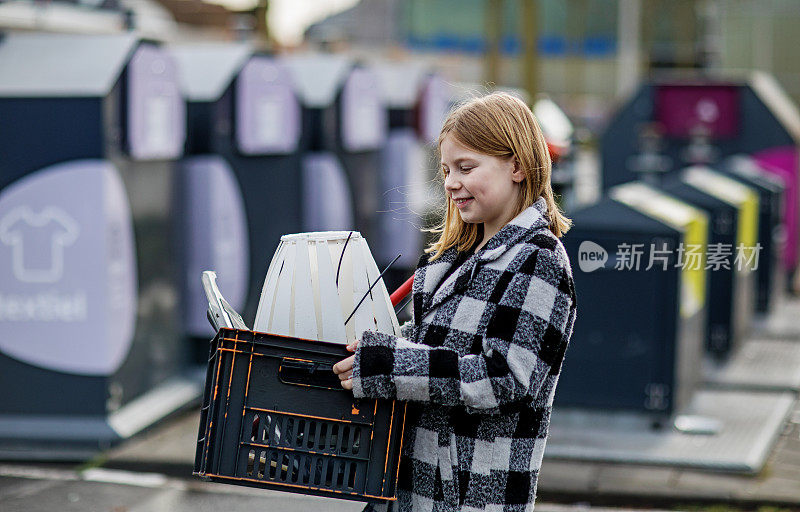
[(401, 293), (556, 152)]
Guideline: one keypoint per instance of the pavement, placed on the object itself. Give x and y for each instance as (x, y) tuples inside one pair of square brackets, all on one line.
[(31, 489), (26, 488)]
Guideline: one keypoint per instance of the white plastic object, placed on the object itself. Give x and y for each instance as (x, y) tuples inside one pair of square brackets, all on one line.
[(303, 298)]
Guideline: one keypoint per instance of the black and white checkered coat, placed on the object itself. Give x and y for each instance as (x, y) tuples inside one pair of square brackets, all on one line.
[(479, 365)]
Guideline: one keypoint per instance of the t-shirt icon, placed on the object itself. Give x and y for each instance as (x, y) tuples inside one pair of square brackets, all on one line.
[(37, 242)]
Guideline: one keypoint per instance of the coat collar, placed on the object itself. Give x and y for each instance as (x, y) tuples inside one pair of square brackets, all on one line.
[(530, 219), (520, 227)]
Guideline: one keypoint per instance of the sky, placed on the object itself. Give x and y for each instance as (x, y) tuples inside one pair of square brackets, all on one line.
[(289, 18)]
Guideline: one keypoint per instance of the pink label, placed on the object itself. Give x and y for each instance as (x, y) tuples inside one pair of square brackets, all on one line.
[(682, 108)]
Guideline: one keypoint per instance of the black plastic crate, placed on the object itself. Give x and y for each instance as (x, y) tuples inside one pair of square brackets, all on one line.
[(275, 416)]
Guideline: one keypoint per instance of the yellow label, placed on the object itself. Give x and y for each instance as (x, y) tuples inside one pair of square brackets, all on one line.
[(736, 194)]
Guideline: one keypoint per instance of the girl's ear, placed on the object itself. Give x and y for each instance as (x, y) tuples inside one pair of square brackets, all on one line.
[(517, 175)]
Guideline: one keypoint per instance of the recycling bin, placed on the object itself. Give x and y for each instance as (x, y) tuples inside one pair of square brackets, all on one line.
[(641, 349), (558, 132), (344, 129), (242, 176), (91, 128), (771, 230), (730, 282), (417, 101), (704, 119)]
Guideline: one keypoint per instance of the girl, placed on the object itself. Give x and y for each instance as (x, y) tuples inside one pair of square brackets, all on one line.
[(494, 305)]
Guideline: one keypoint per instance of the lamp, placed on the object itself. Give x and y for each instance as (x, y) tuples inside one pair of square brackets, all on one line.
[(315, 282)]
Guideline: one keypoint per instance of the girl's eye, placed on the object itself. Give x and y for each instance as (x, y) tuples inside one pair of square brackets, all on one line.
[(466, 169)]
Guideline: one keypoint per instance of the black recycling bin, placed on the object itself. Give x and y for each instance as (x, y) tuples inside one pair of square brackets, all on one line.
[(91, 128), (705, 118), (417, 101), (344, 129), (242, 177), (640, 348), (771, 189), (729, 289)]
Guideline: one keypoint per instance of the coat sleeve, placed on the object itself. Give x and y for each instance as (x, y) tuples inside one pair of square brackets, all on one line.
[(527, 331)]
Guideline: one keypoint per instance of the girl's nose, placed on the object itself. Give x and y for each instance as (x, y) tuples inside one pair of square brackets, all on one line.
[(451, 183)]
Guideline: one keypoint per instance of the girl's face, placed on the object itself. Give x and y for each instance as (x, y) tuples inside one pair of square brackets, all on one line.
[(484, 188)]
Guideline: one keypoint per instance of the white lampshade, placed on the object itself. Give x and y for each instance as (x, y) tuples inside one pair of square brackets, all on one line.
[(301, 297)]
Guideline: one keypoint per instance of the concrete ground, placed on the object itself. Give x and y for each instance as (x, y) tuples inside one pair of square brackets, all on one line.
[(26, 488)]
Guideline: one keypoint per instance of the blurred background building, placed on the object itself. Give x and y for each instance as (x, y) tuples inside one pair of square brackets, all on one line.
[(587, 52), (583, 53)]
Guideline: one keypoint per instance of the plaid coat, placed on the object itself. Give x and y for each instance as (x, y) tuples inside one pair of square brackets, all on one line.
[(479, 365)]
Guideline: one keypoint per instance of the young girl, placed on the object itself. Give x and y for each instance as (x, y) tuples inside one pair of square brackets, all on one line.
[(494, 306)]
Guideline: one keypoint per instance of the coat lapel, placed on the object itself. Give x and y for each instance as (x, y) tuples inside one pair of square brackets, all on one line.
[(427, 278), (527, 222), (454, 282)]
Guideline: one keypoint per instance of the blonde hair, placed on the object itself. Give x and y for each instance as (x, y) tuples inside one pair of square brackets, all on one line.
[(500, 125)]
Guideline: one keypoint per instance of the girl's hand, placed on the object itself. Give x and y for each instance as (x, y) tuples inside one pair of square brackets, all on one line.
[(344, 368)]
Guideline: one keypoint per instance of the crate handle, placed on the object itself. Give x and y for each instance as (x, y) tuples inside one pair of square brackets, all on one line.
[(300, 372)]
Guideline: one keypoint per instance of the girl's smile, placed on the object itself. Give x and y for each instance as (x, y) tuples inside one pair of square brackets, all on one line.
[(462, 203)]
